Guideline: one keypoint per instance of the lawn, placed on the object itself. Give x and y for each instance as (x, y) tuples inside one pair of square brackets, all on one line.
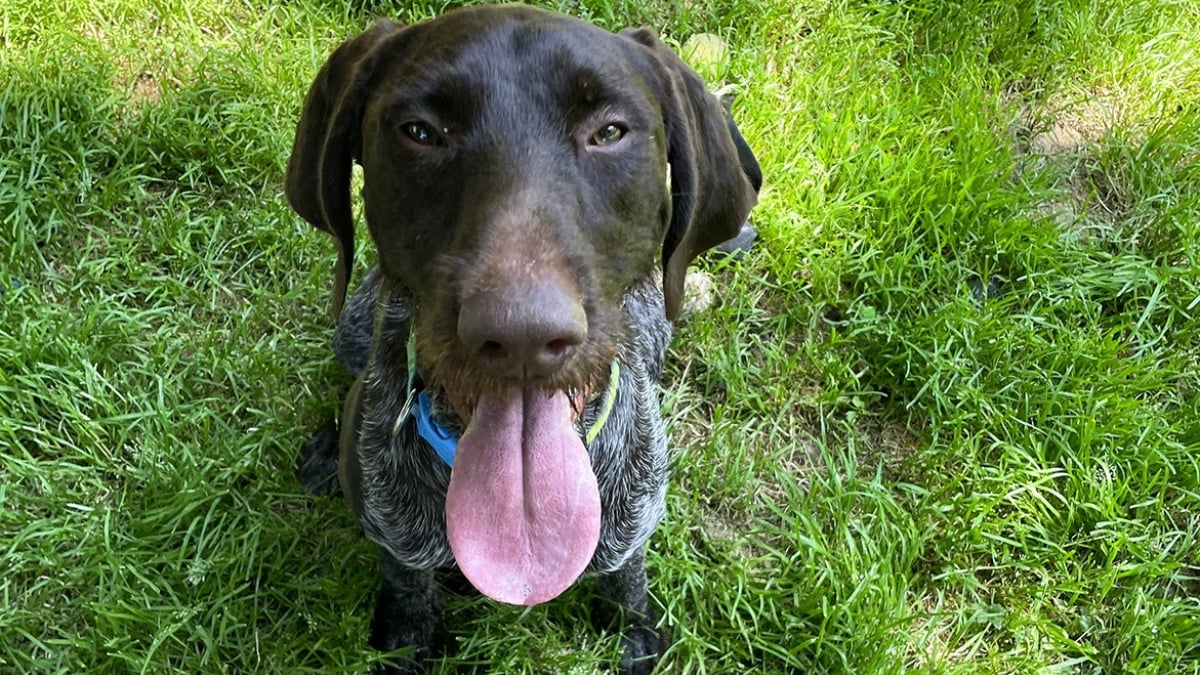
[(945, 418)]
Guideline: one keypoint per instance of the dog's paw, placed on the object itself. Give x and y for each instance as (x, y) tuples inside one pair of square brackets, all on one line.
[(386, 638), (317, 466), (641, 647), (408, 611), (405, 667)]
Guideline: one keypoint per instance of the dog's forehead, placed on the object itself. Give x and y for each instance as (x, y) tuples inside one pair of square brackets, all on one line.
[(518, 30), (534, 52)]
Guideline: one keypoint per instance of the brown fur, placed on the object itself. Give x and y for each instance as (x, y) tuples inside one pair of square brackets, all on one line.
[(519, 252)]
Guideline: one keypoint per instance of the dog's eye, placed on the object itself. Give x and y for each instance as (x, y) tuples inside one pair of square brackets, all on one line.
[(422, 133), (609, 134)]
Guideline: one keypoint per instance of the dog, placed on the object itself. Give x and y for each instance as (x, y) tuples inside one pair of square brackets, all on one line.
[(535, 188)]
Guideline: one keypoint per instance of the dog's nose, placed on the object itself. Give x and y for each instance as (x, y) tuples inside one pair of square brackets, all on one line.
[(522, 333)]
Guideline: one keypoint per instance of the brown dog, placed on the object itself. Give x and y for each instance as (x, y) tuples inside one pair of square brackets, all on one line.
[(523, 174)]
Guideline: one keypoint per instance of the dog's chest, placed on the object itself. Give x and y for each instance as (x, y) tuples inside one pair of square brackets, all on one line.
[(404, 481)]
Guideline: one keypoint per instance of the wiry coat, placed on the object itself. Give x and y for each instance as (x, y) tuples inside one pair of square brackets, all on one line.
[(403, 503), (535, 188)]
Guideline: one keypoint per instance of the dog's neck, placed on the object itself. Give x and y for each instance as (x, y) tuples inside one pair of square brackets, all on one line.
[(444, 441)]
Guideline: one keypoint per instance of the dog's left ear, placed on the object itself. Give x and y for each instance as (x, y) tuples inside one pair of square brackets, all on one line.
[(714, 175)]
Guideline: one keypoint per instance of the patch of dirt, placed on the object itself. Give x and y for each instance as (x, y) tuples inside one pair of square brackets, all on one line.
[(720, 526), (889, 443), (1063, 133), (146, 64), (1066, 126), (146, 89), (1076, 126), (1059, 139)]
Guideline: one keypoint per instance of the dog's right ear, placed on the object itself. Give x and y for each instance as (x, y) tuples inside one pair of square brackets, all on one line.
[(328, 140)]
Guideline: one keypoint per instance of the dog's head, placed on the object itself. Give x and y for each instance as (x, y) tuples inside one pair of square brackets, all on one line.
[(522, 171), (511, 112)]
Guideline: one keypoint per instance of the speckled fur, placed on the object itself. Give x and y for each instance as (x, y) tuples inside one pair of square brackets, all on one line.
[(515, 198), (404, 498)]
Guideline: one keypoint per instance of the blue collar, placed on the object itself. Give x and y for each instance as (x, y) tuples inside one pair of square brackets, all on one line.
[(442, 440), (445, 442)]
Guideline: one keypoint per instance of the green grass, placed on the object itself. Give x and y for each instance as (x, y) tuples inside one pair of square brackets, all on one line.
[(944, 419)]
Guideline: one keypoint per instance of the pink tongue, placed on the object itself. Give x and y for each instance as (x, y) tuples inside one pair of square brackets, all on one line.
[(523, 508)]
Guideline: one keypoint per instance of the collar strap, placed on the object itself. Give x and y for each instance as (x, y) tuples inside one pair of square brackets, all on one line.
[(442, 440), (445, 443), (610, 399)]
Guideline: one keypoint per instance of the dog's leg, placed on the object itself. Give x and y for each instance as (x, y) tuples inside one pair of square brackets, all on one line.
[(622, 602), (317, 466), (407, 612)]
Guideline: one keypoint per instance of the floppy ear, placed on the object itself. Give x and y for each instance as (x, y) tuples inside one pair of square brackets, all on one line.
[(745, 155), (711, 168), (328, 141)]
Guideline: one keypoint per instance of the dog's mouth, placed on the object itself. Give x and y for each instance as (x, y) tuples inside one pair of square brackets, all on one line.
[(523, 507)]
